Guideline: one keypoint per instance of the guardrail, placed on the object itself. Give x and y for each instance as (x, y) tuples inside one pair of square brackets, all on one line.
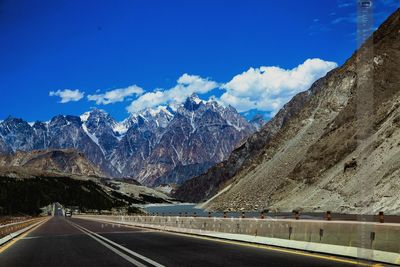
[(8, 231), (369, 236)]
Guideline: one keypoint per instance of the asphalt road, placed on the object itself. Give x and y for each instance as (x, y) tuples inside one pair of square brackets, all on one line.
[(76, 242)]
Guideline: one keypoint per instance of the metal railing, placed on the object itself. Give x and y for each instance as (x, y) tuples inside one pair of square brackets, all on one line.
[(16, 226)]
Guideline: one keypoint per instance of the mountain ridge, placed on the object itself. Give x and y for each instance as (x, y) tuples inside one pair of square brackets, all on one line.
[(140, 146), (69, 161)]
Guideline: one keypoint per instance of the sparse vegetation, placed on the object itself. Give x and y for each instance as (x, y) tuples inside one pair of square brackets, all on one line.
[(29, 195)]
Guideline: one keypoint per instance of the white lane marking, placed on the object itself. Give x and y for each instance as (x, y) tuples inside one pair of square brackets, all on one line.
[(128, 232), (119, 253), (122, 248)]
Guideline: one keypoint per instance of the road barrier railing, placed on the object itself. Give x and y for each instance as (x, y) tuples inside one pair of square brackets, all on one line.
[(9, 231), (369, 236)]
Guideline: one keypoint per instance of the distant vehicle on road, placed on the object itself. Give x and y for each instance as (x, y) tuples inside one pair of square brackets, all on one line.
[(68, 213)]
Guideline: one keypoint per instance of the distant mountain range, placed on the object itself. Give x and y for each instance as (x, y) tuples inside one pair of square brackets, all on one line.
[(167, 144)]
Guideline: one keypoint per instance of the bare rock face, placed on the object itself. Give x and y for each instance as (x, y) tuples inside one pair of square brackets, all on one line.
[(164, 147), (17, 134), (156, 146), (4, 147), (68, 161), (297, 159)]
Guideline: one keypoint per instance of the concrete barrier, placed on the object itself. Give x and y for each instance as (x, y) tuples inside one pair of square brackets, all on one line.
[(372, 241), (12, 230)]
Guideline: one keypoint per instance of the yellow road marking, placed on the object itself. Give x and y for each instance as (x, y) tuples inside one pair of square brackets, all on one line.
[(14, 240), (261, 246)]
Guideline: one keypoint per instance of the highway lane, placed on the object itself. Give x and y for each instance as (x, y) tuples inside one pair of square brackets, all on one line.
[(76, 242), (57, 243)]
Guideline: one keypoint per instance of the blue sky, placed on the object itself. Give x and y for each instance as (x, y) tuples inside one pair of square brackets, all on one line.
[(240, 52)]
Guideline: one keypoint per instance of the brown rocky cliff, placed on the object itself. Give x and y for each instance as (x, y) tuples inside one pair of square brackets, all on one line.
[(68, 161), (297, 159)]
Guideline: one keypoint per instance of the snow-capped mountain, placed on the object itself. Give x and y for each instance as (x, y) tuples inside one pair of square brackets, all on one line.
[(167, 144)]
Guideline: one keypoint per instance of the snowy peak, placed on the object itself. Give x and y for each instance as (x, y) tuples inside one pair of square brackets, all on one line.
[(100, 127), (97, 117), (85, 116), (161, 116), (195, 98), (154, 112), (98, 120), (192, 103)]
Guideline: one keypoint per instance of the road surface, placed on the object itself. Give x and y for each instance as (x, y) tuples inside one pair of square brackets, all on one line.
[(75, 242)]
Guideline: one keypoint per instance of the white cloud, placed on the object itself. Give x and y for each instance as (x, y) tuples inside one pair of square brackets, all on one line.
[(346, 3), (266, 88), (269, 88), (117, 95), (349, 18), (68, 95), (186, 86)]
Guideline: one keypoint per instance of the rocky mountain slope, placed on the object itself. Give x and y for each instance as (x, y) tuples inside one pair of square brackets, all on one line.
[(68, 161), (168, 144), (334, 147)]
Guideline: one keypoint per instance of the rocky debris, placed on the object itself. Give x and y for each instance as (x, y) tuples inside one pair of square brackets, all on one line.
[(351, 164)]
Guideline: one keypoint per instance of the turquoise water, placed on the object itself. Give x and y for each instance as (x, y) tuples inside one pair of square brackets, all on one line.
[(190, 210)]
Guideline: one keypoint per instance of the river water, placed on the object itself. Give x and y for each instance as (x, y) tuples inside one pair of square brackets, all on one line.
[(189, 209)]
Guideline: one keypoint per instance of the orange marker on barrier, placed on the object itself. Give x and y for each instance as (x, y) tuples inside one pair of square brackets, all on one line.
[(328, 216), (381, 217), (296, 214)]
